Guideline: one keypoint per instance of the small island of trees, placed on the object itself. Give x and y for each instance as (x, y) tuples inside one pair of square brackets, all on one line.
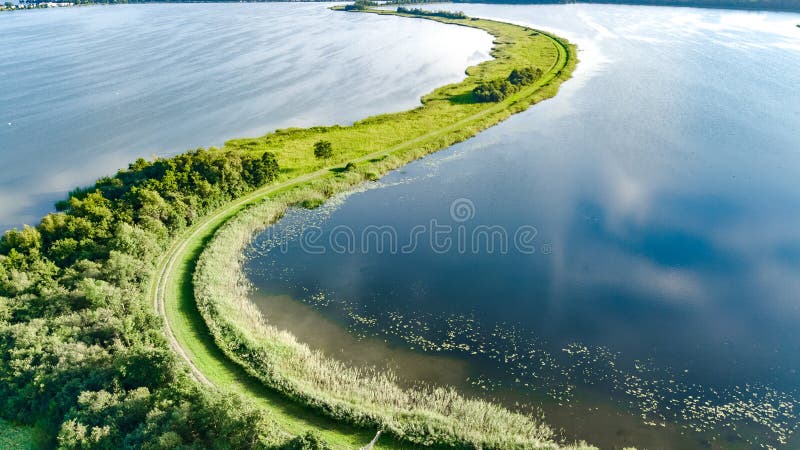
[(323, 150), (423, 12), (497, 90), (360, 5)]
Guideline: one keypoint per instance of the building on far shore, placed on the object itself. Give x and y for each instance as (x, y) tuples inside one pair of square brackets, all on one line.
[(35, 3)]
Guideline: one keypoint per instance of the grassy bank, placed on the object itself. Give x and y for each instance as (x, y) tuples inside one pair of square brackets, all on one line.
[(448, 115), (362, 398)]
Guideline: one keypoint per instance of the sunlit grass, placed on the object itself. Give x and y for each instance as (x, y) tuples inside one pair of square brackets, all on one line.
[(447, 106)]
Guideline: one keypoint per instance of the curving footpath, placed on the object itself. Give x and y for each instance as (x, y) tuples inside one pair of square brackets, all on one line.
[(171, 292)]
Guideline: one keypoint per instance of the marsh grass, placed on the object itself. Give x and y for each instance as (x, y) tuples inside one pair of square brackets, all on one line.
[(430, 416)]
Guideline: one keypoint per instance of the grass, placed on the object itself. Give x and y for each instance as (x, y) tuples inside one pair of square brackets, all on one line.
[(17, 437), (447, 112), (229, 345)]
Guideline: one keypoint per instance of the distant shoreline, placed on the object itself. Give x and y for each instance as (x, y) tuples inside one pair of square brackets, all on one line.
[(791, 6)]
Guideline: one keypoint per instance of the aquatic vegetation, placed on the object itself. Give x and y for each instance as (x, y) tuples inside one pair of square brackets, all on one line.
[(516, 360), (427, 415), (755, 415)]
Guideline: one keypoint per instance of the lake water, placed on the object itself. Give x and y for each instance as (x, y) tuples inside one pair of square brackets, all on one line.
[(87, 90), (647, 292)]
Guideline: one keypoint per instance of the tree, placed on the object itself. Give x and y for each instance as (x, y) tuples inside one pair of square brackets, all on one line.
[(493, 91), (323, 150), (524, 76), (308, 441), (360, 5), (497, 90), (438, 13), (8, 4), (260, 171)]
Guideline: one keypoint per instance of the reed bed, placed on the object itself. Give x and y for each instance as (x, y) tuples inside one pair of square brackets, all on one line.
[(431, 416)]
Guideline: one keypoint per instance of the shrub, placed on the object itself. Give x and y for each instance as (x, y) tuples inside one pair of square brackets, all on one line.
[(525, 76), (262, 170), (323, 150), (493, 91), (308, 441), (497, 90)]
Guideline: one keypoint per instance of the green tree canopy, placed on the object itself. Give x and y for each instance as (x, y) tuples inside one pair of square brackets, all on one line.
[(323, 150), (524, 76), (81, 352)]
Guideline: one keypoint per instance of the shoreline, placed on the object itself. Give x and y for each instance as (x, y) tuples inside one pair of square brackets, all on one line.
[(234, 229)]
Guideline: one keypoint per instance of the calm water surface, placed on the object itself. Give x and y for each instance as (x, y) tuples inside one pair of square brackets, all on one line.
[(656, 299), (87, 90)]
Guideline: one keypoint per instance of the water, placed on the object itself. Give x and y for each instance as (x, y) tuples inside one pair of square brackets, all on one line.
[(87, 90), (655, 299)]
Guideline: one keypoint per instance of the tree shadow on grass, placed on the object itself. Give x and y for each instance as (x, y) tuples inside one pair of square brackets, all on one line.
[(465, 98)]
